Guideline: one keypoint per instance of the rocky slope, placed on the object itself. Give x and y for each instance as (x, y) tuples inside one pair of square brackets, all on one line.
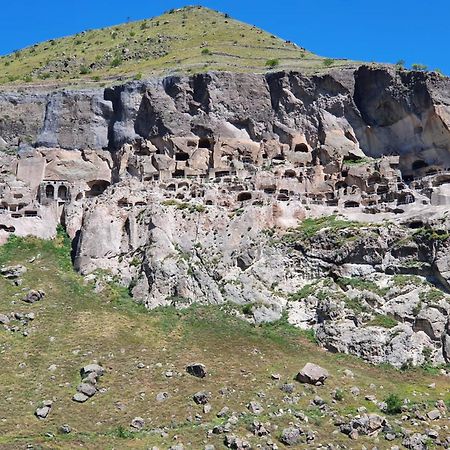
[(83, 366), (196, 189)]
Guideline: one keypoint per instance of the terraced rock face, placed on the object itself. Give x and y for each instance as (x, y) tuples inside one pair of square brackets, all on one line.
[(200, 188)]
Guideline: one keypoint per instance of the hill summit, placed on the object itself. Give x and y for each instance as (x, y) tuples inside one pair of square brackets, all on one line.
[(187, 40)]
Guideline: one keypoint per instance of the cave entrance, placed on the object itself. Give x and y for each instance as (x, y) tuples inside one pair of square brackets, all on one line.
[(419, 164), (97, 188), (63, 193), (244, 196), (181, 156), (50, 191), (301, 148)]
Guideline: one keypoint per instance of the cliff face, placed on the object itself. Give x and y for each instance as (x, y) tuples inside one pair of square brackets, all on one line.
[(196, 189)]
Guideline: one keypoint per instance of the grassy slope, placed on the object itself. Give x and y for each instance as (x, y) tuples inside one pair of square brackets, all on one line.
[(167, 44), (75, 326)]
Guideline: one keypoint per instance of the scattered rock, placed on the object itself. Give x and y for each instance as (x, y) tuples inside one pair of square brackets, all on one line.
[(43, 411), (236, 443), (312, 374), (291, 436), (89, 377), (138, 423), (255, 408), (435, 414), (162, 396), (65, 429), (34, 296), (197, 370), (288, 388), (87, 389), (80, 397), (415, 441), (223, 412), (201, 398), (11, 272), (4, 320), (92, 368)]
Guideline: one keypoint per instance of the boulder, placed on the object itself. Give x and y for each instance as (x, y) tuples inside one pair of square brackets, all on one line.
[(197, 370), (312, 374), (255, 408), (43, 411), (79, 397), (201, 398), (138, 423), (11, 272), (87, 389), (162, 396), (92, 368), (4, 320), (291, 436), (34, 296)]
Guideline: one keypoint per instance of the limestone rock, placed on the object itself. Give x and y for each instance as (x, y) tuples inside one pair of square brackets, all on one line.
[(312, 374)]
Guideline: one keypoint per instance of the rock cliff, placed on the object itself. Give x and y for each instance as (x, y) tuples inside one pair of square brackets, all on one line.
[(318, 199)]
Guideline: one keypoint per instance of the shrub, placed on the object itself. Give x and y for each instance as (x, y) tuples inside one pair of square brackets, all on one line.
[(393, 404), (116, 62), (419, 67), (339, 395), (206, 51), (84, 70), (328, 62), (400, 63), (272, 63), (138, 76)]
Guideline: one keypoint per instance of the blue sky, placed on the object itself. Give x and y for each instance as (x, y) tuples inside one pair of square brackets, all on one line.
[(382, 30)]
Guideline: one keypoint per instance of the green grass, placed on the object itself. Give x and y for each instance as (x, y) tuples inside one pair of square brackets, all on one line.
[(171, 43), (384, 321), (362, 284), (303, 293), (75, 324), (310, 227)]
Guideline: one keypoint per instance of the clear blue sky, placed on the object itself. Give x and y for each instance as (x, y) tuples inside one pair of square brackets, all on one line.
[(380, 30)]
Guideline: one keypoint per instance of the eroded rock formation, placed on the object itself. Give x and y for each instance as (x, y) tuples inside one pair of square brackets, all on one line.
[(194, 189)]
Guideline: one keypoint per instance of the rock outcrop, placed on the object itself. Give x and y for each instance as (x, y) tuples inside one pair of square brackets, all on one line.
[(322, 198)]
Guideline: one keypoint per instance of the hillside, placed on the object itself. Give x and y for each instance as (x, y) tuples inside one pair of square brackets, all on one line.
[(187, 40), (145, 354)]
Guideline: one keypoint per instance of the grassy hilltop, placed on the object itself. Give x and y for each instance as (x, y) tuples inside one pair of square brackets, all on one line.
[(188, 40)]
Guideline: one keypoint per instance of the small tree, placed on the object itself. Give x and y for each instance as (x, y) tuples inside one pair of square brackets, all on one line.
[(116, 62), (272, 63), (393, 404), (400, 63), (419, 67)]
